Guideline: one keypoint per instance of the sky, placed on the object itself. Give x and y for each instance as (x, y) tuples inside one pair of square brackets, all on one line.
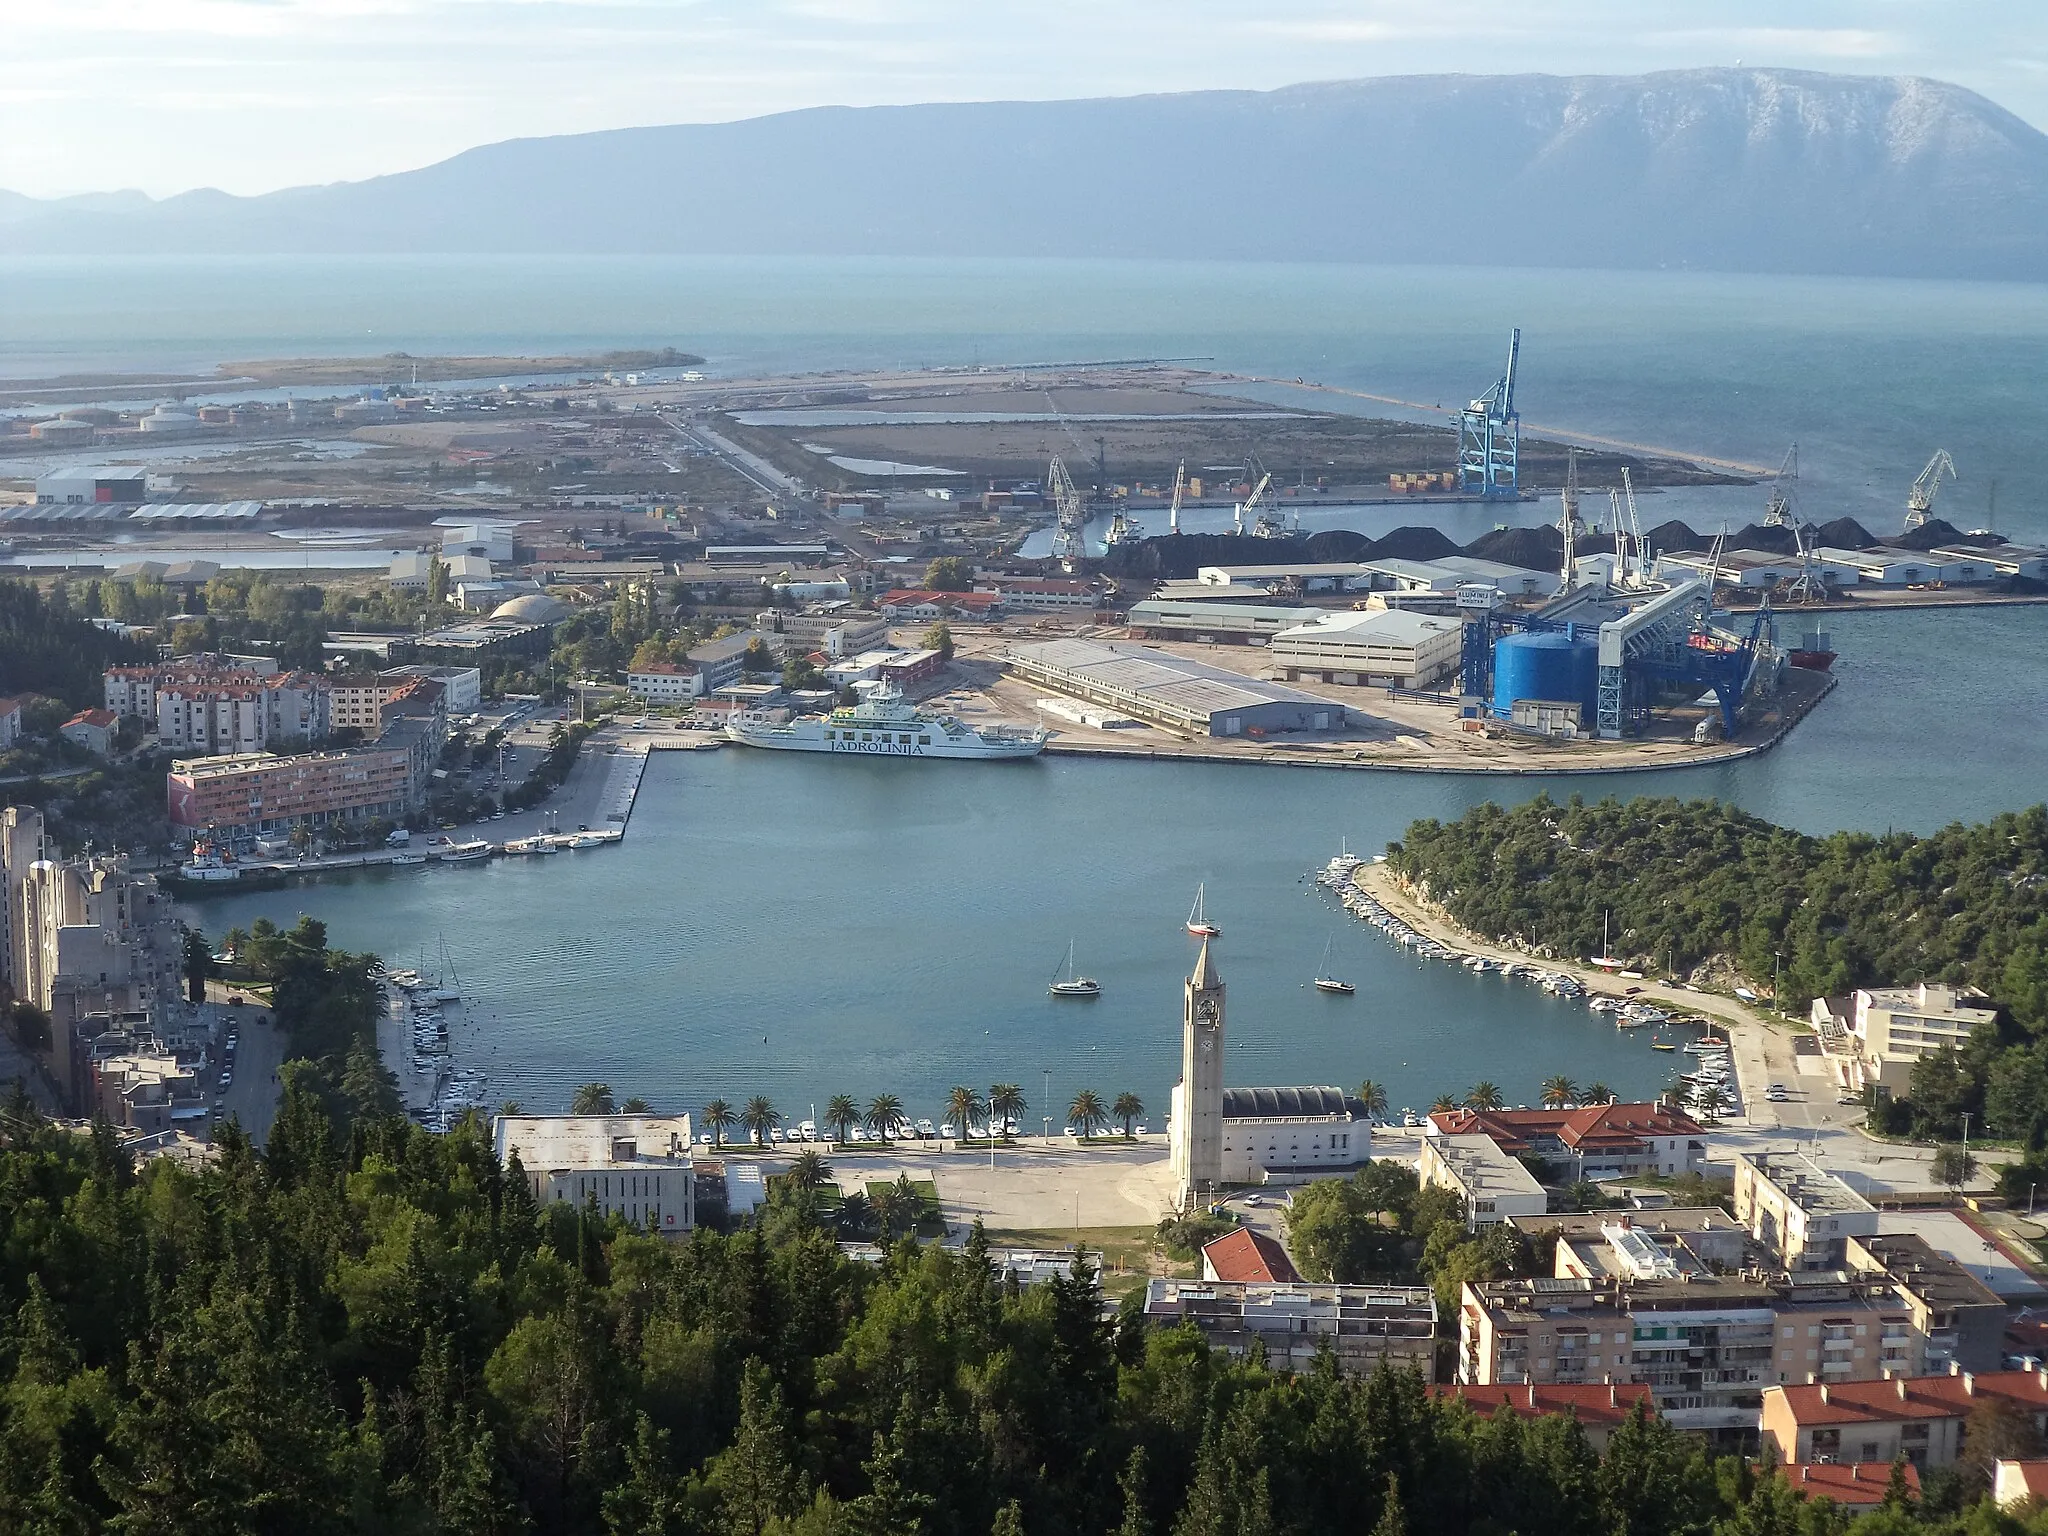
[(252, 95)]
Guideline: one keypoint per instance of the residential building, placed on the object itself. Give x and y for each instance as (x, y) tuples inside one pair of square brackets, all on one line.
[(1600, 1407), (664, 682), (1289, 1135), (254, 793), (462, 687), (1856, 1487), (1594, 1141), (634, 1166), (1796, 1209), (92, 729), (355, 702), (145, 1087), (215, 704), (1383, 649), (1875, 1035), (1962, 1319), (10, 723), (2018, 1486), (1704, 1238), (1493, 1184), (1708, 1346), (1248, 1257), (1921, 1418), (1363, 1326)]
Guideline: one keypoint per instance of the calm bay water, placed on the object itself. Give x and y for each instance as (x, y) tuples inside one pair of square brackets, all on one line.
[(801, 927)]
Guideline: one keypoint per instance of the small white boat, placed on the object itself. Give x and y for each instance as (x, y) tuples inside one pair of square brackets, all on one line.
[(1072, 985), (408, 860), (1198, 921), (463, 853)]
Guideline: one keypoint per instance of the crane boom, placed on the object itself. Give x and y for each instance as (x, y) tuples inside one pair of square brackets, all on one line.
[(1251, 502), (1778, 510), (1920, 499)]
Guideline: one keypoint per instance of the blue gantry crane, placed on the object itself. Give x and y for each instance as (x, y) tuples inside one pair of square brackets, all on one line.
[(1490, 436)]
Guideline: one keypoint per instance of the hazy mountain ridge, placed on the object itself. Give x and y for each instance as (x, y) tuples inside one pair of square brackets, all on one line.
[(1751, 169)]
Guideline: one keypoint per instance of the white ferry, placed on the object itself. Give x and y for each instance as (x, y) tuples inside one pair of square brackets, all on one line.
[(885, 726)]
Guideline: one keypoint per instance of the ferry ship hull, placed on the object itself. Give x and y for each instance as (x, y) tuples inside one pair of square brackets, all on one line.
[(809, 736)]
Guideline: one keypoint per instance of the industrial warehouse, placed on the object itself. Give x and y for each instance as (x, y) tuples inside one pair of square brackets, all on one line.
[(1173, 692)]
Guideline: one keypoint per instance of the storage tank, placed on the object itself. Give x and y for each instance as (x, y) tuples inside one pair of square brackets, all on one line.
[(1563, 668)]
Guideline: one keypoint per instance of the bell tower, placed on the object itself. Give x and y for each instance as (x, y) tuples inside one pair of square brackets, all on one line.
[(1198, 1101)]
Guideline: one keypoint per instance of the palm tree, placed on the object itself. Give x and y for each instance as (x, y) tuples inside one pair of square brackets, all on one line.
[(592, 1099), (1597, 1093), (1005, 1103), (509, 1107), (1484, 1095), (810, 1172), (855, 1214), (719, 1116), (884, 1111), (1128, 1107), (1087, 1112), (962, 1105), (1709, 1100), (889, 1210), (760, 1117), (636, 1106), (1374, 1097), (842, 1114), (1444, 1103), (1559, 1091)]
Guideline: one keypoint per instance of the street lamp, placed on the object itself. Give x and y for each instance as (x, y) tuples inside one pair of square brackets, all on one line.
[(1047, 1102)]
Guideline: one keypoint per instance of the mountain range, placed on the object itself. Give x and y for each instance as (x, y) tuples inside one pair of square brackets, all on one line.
[(1723, 169)]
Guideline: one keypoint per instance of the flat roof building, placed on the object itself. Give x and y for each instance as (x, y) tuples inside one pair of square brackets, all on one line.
[(2004, 559), (1215, 623), (1798, 1210), (1962, 1317), (1380, 649), (1364, 1326), (1876, 1034), (1309, 576), (476, 640), (256, 792), (1173, 692), (634, 1166), (1286, 1135), (93, 484), (1493, 1185)]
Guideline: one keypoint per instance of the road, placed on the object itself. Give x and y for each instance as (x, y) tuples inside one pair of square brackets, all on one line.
[(252, 1097), (751, 465)]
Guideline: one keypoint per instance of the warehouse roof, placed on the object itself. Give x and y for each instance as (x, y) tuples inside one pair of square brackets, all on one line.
[(1392, 626), (1186, 685)]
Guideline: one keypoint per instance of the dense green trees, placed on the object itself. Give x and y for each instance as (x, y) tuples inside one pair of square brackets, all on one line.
[(376, 1329), (1687, 881)]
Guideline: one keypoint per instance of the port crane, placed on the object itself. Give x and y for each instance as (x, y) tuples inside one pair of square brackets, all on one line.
[(1180, 482), (1568, 523), (1631, 561), (1920, 499), (1251, 503), (1069, 538), (1808, 586), (1490, 436), (1778, 510)]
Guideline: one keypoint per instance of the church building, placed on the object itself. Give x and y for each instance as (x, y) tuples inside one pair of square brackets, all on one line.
[(1219, 1137)]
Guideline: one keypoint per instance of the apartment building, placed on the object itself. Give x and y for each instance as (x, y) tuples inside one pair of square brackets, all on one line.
[(1922, 1418), (837, 629), (214, 703), (1364, 1326), (255, 793), (1600, 1408), (1706, 1345), (1962, 1319), (663, 682), (634, 1166), (1802, 1214)]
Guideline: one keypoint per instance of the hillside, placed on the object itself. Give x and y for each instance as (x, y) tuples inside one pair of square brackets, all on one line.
[(1730, 169)]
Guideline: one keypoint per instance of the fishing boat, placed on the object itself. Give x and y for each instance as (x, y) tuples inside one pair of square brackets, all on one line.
[(1662, 1045), (462, 853), (1071, 984), (1707, 1044), (1198, 920), (408, 860)]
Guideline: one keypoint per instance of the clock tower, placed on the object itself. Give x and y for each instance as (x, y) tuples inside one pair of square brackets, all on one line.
[(1198, 1101)]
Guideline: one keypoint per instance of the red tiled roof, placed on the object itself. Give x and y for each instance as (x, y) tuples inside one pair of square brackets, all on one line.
[(1594, 1127), (9, 706), (1853, 1485), (2033, 1475), (1911, 1397), (100, 717), (908, 597), (1245, 1255), (1590, 1402)]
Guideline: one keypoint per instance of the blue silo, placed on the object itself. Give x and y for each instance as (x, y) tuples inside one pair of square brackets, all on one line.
[(1562, 668)]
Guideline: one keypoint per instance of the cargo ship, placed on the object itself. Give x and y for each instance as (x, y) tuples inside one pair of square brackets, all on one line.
[(885, 726), (1813, 653)]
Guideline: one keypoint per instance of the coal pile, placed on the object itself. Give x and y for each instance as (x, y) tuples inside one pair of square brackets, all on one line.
[(1533, 549), (1334, 546), (1674, 537), (1935, 533), (1844, 533), (1414, 544)]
